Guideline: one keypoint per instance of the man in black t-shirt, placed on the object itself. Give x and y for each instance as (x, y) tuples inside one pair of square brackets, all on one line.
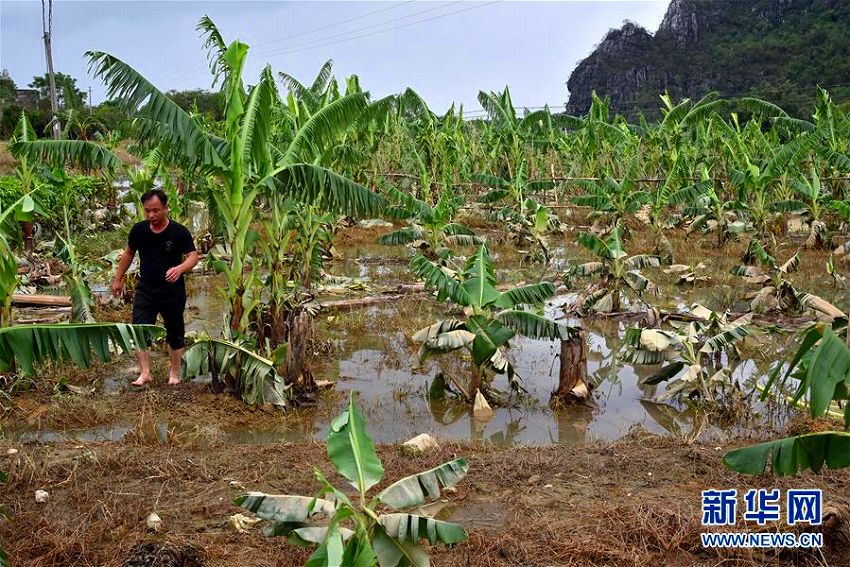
[(162, 245)]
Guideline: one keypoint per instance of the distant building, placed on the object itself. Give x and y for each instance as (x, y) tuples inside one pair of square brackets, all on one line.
[(28, 98)]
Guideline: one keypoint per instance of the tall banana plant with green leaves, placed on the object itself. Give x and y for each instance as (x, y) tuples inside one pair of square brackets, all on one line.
[(494, 318), (243, 163), (361, 530)]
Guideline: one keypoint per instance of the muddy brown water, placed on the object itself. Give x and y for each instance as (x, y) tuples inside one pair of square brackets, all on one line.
[(369, 351)]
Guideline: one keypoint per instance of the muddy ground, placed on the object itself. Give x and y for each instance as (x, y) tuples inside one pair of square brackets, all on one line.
[(632, 502)]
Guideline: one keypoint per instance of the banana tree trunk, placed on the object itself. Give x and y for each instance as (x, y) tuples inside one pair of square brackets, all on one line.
[(299, 328), (572, 377), (475, 384), (26, 229)]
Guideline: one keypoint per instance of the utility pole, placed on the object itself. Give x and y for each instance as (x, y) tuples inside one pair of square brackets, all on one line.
[(90, 103), (47, 28)]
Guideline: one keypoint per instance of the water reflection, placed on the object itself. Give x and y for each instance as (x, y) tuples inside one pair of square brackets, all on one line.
[(373, 355)]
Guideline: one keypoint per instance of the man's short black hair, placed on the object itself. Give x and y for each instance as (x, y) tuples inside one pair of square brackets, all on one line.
[(151, 193)]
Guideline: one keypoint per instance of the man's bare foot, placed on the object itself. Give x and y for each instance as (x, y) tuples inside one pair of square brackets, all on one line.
[(141, 381), (173, 380)]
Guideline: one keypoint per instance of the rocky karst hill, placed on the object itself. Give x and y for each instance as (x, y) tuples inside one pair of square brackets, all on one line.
[(775, 49)]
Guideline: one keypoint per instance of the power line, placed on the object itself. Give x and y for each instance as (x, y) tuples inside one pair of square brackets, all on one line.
[(181, 72), (339, 23), (322, 43)]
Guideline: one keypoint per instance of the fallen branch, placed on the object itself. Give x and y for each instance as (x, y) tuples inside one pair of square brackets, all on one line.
[(42, 300)]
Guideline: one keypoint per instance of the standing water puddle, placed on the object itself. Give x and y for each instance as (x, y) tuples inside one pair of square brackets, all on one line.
[(369, 350)]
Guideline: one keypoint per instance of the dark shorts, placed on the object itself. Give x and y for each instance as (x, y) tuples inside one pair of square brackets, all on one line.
[(147, 305)]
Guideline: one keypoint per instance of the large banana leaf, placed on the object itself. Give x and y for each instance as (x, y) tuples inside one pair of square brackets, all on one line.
[(480, 279), (489, 336), (532, 325), (594, 244), (284, 507), (413, 490), (324, 127), (258, 380), (31, 344), (829, 370), (252, 145), (412, 528), (163, 118), (435, 277), (726, 338), (793, 454), (352, 451), (327, 190), (401, 236), (68, 153), (527, 294)]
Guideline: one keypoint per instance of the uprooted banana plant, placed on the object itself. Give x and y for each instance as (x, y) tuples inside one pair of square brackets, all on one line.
[(432, 230), (618, 272), (359, 531), (697, 347), (495, 317), (777, 292), (821, 367)]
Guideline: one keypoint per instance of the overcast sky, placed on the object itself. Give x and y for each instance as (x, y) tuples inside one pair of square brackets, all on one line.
[(447, 51)]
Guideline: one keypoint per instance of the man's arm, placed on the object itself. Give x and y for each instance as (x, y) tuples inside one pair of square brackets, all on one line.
[(123, 266), (173, 274)]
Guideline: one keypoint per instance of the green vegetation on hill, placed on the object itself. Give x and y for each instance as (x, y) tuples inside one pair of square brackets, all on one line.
[(779, 50)]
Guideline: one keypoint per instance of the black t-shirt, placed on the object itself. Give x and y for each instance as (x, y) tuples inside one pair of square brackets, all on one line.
[(158, 252)]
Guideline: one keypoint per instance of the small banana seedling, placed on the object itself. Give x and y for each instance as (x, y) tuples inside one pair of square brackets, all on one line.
[(361, 530), (694, 352), (618, 272)]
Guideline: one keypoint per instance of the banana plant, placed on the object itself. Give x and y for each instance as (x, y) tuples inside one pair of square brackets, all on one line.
[(431, 228), (19, 210), (361, 530), (814, 200), (713, 214), (243, 163), (821, 368), (618, 272), (494, 317), (511, 189), (613, 201), (696, 347)]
